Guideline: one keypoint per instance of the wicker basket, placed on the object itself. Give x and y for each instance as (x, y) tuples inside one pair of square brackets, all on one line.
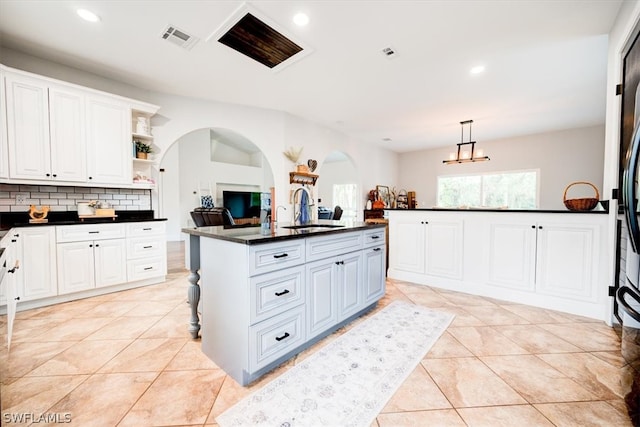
[(583, 205)]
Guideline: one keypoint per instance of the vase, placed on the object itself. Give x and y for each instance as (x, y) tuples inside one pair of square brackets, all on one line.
[(141, 155)]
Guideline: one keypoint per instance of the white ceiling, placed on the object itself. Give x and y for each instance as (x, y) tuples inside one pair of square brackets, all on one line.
[(545, 61)]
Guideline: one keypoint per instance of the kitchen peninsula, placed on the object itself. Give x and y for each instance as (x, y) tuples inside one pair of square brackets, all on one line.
[(269, 293)]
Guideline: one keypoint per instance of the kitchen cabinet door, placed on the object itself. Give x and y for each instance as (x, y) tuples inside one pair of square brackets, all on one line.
[(407, 240), (373, 277), (109, 148), (27, 127), (567, 260), (349, 277), (321, 296), (110, 262), (4, 147), (67, 133), (512, 248), (75, 267), (443, 247), (38, 262)]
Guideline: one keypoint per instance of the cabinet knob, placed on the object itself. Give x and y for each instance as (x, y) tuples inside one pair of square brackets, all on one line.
[(90, 177), (48, 174), (97, 245), (376, 249), (540, 227), (90, 246), (55, 175), (17, 298), (533, 226)]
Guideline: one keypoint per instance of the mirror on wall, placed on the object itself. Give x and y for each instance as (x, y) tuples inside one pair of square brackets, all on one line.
[(210, 163), (338, 186)]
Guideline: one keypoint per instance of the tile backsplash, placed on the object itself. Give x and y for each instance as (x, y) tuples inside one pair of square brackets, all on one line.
[(60, 198)]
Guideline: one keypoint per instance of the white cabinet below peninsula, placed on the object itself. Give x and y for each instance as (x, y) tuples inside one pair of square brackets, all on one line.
[(266, 299)]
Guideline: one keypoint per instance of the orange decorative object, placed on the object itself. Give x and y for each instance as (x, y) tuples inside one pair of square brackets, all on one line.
[(378, 204)]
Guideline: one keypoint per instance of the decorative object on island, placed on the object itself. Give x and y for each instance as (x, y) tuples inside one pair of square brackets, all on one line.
[(293, 154), (402, 201), (384, 195), (465, 156), (411, 199), (38, 215), (313, 164), (583, 204), (142, 149)]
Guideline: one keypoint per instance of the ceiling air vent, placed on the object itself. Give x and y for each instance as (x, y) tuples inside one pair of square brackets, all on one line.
[(179, 37)]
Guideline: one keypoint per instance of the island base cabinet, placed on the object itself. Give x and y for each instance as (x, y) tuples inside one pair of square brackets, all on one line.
[(373, 279), (321, 296)]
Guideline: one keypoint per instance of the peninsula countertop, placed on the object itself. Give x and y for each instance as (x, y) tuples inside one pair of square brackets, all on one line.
[(264, 233)]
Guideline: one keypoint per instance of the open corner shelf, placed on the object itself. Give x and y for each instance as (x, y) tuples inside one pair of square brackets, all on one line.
[(302, 178)]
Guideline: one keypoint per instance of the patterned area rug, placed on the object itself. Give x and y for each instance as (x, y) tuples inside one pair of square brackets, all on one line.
[(347, 382)]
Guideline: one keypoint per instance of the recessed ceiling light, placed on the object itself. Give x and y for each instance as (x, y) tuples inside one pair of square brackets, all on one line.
[(87, 15), (477, 69), (301, 19)]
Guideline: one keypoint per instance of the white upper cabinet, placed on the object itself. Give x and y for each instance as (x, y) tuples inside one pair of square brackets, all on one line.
[(28, 127), (109, 146), (68, 135), (4, 149)]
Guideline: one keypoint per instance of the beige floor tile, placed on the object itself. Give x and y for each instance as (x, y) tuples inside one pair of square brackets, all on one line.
[(585, 337), (104, 399), (110, 309), (417, 393), (613, 358), (24, 357), (439, 418), (230, 393), (431, 299), (462, 317), (535, 380), (447, 346), (37, 394), (152, 308), (145, 355), (84, 357), (495, 315), (462, 299), (592, 373), (177, 397), (485, 341), (504, 416), (191, 357), (465, 382), (536, 340), (124, 328), (583, 414), (73, 329), (536, 314), (25, 329), (168, 327)]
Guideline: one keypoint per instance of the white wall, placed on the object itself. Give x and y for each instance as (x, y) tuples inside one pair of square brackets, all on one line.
[(341, 172), (562, 157)]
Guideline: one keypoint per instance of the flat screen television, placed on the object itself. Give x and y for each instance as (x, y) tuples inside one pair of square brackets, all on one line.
[(242, 204)]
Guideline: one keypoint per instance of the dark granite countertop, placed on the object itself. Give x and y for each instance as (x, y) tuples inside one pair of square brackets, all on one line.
[(256, 234), (561, 211), (9, 220)]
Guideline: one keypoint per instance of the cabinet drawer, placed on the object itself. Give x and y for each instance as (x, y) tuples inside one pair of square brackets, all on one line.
[(148, 228), (82, 232), (140, 269), (327, 246), (276, 292), (275, 256), (144, 247), (274, 337), (374, 237)]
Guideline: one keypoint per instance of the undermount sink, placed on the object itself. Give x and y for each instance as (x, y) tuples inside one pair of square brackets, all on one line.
[(295, 227)]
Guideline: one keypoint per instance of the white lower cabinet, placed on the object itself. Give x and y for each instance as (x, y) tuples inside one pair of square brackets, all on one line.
[(91, 264), (373, 274), (37, 255)]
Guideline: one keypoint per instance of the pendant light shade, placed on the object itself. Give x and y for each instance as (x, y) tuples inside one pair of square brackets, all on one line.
[(466, 151)]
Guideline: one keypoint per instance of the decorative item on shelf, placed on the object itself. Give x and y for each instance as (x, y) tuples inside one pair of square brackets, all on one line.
[(87, 208), (384, 195), (293, 154), (464, 156), (38, 215), (142, 149), (403, 200), (313, 164), (302, 178), (142, 126), (583, 204), (140, 178), (411, 199)]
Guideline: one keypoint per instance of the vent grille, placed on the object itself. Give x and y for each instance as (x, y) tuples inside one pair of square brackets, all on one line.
[(179, 37)]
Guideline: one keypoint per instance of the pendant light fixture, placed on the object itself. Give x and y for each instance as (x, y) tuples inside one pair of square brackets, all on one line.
[(465, 155)]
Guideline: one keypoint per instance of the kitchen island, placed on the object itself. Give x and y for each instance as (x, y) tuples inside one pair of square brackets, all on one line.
[(270, 292)]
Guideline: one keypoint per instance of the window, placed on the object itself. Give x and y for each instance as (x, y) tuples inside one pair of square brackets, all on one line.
[(346, 196), (514, 189)]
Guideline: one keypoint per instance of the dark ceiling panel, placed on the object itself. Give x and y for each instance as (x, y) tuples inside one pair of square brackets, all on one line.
[(255, 39)]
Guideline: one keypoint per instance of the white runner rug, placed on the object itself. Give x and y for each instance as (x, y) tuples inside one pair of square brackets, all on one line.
[(348, 381)]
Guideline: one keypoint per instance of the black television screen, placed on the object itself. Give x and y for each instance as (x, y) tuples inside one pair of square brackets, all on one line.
[(242, 204)]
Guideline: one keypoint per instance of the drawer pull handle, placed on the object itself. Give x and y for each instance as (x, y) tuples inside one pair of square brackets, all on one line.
[(286, 335), (15, 267), (377, 249), (279, 294), (147, 247), (339, 262), (94, 232), (375, 237), (284, 255), (148, 268), (146, 229)]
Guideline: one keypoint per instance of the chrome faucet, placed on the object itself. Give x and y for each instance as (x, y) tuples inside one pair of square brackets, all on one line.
[(296, 216), (277, 218)]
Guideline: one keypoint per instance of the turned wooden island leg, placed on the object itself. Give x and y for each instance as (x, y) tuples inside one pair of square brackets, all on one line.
[(193, 294)]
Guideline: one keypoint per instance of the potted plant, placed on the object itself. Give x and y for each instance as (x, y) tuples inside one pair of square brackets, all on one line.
[(142, 149)]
